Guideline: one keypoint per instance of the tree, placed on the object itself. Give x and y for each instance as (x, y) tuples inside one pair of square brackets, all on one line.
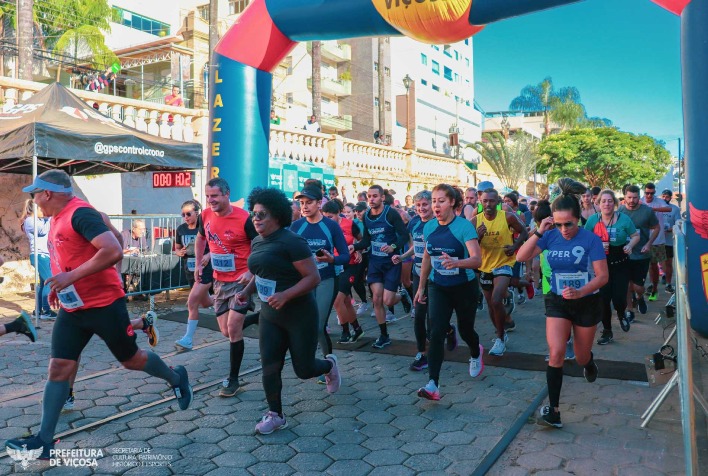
[(25, 39), (512, 160), (317, 79), (603, 157), (544, 98)]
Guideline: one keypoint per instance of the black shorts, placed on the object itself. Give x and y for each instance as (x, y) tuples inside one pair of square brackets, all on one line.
[(583, 312), (73, 330), (207, 274), (486, 280), (638, 269), (345, 280), (669, 252)]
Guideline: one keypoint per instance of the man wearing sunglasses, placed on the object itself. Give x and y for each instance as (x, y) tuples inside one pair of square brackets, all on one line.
[(658, 249)]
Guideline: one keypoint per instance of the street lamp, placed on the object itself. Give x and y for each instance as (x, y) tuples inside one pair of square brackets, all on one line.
[(407, 84)]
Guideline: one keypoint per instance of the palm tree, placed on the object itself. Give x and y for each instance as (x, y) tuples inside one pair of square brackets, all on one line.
[(25, 38), (544, 98), (512, 160), (317, 79), (382, 88)]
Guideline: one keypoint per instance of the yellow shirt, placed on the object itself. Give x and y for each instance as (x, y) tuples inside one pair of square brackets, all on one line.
[(497, 237)]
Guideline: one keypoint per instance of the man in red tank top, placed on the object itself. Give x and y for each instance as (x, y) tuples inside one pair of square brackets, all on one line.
[(89, 292), (229, 231)]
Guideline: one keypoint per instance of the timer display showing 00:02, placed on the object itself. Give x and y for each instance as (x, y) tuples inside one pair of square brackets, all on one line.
[(172, 179)]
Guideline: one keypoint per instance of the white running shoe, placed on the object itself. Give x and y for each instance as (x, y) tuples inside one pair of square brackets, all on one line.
[(477, 365), (498, 348), (363, 308)]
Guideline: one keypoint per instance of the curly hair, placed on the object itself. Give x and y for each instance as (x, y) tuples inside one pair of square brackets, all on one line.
[(273, 200)]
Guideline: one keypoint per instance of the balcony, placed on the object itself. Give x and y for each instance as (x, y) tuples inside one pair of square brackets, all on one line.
[(333, 87), (336, 124), (334, 52)]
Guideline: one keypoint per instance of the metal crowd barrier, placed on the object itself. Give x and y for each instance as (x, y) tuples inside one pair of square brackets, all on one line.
[(149, 264)]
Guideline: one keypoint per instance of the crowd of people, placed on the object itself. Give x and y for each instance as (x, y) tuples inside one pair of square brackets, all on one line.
[(442, 251)]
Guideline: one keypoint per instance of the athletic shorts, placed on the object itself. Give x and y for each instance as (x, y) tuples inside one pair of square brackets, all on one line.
[(384, 272), (583, 312), (345, 280), (207, 274), (486, 280), (73, 330), (516, 270), (638, 269), (669, 252), (225, 297), (658, 254)]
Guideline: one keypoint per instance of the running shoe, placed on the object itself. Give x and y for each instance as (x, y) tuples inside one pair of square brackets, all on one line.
[(412, 314), (590, 375), (183, 391), (69, 403), (390, 317), (405, 300), (642, 305), (569, 351), (509, 326), (477, 365), (363, 308), (229, 387), (31, 446), (551, 417), (634, 300), (451, 339), (498, 348), (271, 422), (346, 338), (420, 362), (530, 290), (381, 342), (480, 304), (321, 380), (184, 344), (670, 289), (506, 338), (653, 296), (333, 378), (649, 289), (48, 314), (356, 335), (510, 302), (521, 299), (150, 328), (624, 321), (26, 327), (430, 391), (630, 316), (605, 338)]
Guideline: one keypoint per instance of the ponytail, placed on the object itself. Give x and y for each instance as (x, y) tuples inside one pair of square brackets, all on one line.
[(569, 200)]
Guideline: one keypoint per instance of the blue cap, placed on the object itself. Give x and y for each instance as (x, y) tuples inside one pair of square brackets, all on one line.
[(52, 181), (482, 186)]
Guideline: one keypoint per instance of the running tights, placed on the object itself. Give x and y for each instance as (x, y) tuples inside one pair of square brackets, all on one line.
[(615, 292)]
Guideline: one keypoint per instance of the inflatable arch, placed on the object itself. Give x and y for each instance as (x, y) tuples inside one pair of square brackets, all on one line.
[(241, 84)]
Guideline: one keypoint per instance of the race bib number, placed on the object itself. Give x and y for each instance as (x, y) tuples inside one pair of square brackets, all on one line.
[(191, 264), (419, 248), (69, 298), (338, 269), (571, 280), (223, 263), (376, 248), (613, 233), (436, 261), (265, 288), (320, 264)]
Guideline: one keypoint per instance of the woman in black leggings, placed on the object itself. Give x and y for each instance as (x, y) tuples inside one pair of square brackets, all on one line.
[(284, 275)]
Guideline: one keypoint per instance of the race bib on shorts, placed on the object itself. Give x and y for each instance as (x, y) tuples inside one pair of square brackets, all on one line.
[(191, 264), (376, 248), (223, 263), (419, 248), (69, 298), (265, 288), (571, 280), (320, 265), (436, 261)]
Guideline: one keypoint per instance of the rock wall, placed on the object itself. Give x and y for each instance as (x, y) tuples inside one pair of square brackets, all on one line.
[(14, 247)]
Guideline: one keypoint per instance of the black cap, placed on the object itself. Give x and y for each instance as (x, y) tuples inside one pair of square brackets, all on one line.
[(361, 206), (313, 193), (667, 192)]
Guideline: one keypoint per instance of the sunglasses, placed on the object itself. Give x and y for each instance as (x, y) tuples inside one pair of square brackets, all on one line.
[(187, 214), (649, 193), (569, 224), (259, 215)]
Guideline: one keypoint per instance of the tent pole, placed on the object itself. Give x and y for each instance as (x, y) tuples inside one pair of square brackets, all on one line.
[(37, 295)]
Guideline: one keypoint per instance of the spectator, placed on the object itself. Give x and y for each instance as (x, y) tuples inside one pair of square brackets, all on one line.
[(312, 124), (274, 118), (134, 240), (174, 99)]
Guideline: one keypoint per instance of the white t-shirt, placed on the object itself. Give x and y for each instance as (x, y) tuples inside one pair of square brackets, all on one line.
[(661, 237)]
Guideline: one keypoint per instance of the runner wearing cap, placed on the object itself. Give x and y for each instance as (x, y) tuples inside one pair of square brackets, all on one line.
[(83, 252), (670, 219)]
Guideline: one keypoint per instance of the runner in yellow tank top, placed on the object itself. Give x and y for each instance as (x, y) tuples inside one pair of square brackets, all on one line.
[(495, 229)]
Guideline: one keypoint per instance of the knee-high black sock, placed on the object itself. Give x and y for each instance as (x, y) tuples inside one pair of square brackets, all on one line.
[(384, 329), (409, 290), (345, 327), (355, 325), (554, 380), (236, 352)]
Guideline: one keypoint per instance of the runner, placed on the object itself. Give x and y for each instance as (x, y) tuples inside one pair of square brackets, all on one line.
[(526, 283), (83, 252), (587, 206), (360, 284), (619, 237), (22, 325), (228, 232), (495, 229), (285, 277), (670, 219), (451, 254), (199, 292), (658, 248), (574, 301), (647, 223), (324, 237), (385, 232), (469, 208)]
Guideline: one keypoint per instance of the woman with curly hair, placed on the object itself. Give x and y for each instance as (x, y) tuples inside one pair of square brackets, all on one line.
[(285, 277)]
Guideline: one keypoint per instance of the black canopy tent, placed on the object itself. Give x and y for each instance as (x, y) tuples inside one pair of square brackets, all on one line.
[(55, 129)]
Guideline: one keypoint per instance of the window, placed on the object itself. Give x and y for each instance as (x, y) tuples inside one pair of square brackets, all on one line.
[(447, 72), (387, 71), (142, 23), (447, 49), (424, 82), (457, 78), (203, 12), (467, 62), (467, 41), (435, 88), (457, 56), (237, 6), (424, 59), (436, 47), (387, 105), (436, 67), (376, 102), (376, 66)]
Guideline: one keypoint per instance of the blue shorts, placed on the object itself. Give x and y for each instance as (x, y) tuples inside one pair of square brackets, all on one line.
[(384, 272)]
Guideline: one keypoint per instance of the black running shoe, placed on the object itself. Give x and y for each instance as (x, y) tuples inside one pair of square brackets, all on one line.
[(551, 417), (183, 391), (605, 338), (509, 326), (356, 335), (624, 321), (642, 305), (420, 362), (405, 300), (630, 316), (451, 339), (670, 289), (346, 338), (590, 374), (381, 342), (31, 446)]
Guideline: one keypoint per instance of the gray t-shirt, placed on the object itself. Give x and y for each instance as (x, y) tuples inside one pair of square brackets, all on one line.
[(644, 219), (658, 203)]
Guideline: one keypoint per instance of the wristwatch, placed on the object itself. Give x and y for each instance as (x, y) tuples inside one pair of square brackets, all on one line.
[(535, 232), (393, 246)]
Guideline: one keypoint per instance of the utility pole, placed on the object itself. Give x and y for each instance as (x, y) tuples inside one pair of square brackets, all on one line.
[(382, 90), (25, 39), (213, 29)]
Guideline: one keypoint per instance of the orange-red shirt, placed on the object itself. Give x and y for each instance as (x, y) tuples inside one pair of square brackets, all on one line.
[(229, 239)]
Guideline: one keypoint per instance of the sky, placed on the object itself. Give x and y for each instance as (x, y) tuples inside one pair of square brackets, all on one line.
[(622, 55)]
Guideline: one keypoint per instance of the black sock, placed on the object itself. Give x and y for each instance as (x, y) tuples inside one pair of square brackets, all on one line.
[(71, 391), (384, 329), (345, 327), (236, 352), (390, 309), (145, 324), (554, 380), (590, 363), (14, 326), (356, 325), (409, 290)]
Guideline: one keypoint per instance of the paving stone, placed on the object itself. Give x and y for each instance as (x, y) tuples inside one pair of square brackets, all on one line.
[(375, 417), (271, 469), (391, 471), (192, 465), (274, 453), (346, 436), (463, 452), (382, 443), (345, 451), (379, 430), (417, 434), (428, 462), (386, 457), (243, 444), (200, 450), (421, 447), (310, 444), (230, 460), (139, 434), (308, 429), (207, 435), (454, 438), (169, 440), (317, 418), (304, 462), (442, 426), (349, 468)]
